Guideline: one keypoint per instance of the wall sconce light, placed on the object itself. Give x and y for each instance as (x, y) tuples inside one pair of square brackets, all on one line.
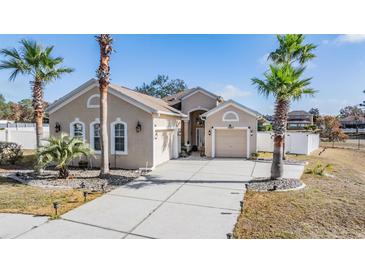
[(209, 132), (230, 126), (138, 127), (155, 135), (57, 127), (179, 133)]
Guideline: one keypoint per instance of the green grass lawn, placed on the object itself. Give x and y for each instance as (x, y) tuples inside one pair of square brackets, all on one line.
[(19, 198)]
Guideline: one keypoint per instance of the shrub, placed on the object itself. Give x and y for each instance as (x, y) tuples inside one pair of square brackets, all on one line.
[(10, 153), (267, 127), (319, 169), (254, 155), (61, 151), (310, 127)]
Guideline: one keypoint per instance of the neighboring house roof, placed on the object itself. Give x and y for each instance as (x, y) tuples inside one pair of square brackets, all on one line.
[(143, 101), (352, 120), (176, 98), (299, 113), (232, 103)]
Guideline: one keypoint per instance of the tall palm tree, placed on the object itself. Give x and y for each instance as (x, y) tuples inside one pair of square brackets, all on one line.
[(34, 60), (285, 84), (103, 74), (291, 52)]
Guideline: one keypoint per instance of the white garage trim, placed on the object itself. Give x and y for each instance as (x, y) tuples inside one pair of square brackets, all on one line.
[(235, 128)]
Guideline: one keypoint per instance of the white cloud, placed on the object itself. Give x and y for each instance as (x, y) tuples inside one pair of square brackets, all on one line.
[(350, 38), (233, 92)]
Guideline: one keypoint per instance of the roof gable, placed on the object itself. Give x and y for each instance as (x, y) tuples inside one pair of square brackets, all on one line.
[(232, 103), (199, 90), (142, 101)]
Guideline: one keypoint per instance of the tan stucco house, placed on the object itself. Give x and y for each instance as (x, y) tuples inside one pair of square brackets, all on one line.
[(219, 128), (145, 131)]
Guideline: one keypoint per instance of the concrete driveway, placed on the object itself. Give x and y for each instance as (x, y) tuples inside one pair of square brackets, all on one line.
[(179, 199)]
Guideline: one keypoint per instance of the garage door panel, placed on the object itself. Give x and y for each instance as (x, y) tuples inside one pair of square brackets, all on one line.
[(230, 143), (163, 150)]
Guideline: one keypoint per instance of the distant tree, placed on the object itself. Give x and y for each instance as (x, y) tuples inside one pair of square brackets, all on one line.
[(26, 111), (331, 128), (351, 111), (162, 86), (5, 109), (315, 113)]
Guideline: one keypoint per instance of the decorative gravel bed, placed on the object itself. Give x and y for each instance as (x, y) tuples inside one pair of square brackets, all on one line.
[(265, 184), (84, 179), (287, 162)]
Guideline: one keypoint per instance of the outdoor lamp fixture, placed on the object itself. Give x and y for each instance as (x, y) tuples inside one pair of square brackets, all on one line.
[(209, 132), (230, 126), (85, 195), (56, 206), (138, 127), (57, 127), (179, 132)]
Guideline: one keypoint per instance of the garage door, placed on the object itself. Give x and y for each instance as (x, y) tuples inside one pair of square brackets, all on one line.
[(231, 143), (163, 146)]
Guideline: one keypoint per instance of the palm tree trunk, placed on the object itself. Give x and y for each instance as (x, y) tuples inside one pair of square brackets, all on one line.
[(279, 127), (103, 72), (38, 109)]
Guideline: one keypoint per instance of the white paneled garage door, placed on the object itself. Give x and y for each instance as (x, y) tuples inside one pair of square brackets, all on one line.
[(231, 143), (163, 146)]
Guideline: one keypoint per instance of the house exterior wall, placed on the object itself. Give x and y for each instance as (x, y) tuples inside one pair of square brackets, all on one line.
[(140, 145), (216, 120), (197, 101)]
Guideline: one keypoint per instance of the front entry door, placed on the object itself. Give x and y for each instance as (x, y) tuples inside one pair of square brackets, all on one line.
[(200, 137)]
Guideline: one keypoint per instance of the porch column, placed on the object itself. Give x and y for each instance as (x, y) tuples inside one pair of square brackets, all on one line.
[(186, 133)]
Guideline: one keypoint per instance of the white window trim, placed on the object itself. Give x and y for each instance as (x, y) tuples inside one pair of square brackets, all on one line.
[(89, 105), (112, 136), (237, 119), (77, 121), (96, 121)]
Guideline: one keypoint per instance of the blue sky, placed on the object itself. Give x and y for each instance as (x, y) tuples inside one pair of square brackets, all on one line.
[(223, 64)]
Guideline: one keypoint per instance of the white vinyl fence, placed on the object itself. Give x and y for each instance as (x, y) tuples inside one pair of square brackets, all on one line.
[(295, 142), (24, 136)]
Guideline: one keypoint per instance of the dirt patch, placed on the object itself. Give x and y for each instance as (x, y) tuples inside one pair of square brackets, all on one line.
[(329, 207)]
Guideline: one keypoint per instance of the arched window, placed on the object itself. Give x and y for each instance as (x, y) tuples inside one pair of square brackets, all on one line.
[(95, 141), (93, 101), (230, 116), (77, 129), (119, 142)]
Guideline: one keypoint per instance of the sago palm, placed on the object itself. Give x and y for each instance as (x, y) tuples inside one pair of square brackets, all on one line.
[(61, 151), (37, 62), (285, 84), (103, 73)]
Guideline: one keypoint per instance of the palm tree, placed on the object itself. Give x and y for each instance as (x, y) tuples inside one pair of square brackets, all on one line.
[(103, 74), (285, 84), (61, 151), (291, 49), (291, 52), (34, 60)]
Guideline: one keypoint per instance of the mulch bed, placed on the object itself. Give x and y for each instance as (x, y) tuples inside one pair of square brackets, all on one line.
[(265, 184), (79, 179)]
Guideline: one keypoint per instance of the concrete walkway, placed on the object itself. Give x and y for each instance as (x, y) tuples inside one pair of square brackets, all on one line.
[(179, 199)]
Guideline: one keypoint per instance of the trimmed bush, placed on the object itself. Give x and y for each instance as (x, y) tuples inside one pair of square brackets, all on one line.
[(10, 153)]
